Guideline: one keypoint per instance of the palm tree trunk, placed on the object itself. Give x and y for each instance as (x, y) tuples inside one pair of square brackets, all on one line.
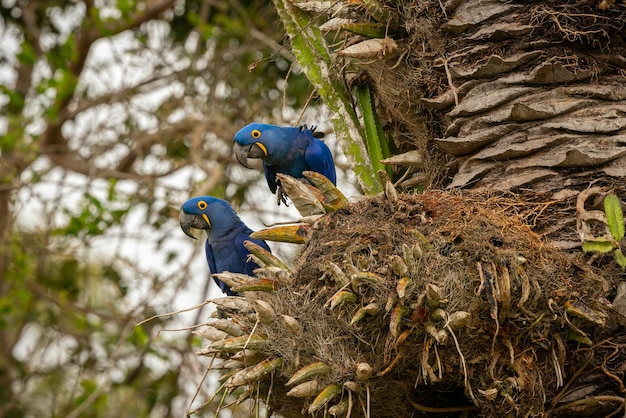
[(457, 302)]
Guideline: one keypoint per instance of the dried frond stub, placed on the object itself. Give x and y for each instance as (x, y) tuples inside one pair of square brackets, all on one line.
[(266, 258), (264, 311), (211, 333), (254, 373), (233, 304), (438, 315), (402, 285), (391, 192), (363, 371), (261, 369), (237, 379), (333, 198), (440, 335), (306, 198), (258, 284), (294, 234), (365, 277), (335, 24), (248, 356), (283, 277), (413, 158), (459, 319), (353, 386), (584, 312), (252, 342), (340, 409), (398, 312), (371, 49), (392, 298), (291, 324), (342, 297), (383, 177), (324, 397), (335, 272), (317, 368), (421, 238), (398, 266), (370, 309), (305, 390), (226, 325), (319, 7), (433, 295), (229, 365), (242, 282), (233, 279)]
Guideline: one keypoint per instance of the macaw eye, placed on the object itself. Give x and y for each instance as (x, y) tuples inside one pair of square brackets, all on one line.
[(256, 133), (202, 205)]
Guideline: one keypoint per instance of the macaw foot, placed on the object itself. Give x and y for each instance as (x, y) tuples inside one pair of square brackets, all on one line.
[(281, 196)]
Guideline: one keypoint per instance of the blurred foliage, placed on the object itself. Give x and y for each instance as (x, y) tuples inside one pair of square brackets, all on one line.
[(58, 311), (112, 114)]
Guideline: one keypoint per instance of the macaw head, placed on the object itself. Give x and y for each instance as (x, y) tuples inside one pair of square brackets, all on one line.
[(208, 213), (253, 141)]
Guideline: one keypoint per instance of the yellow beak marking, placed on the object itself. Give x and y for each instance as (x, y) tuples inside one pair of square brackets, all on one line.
[(206, 218), (258, 144)]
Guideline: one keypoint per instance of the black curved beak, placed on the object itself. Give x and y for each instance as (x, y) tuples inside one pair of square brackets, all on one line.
[(243, 152), (188, 221)]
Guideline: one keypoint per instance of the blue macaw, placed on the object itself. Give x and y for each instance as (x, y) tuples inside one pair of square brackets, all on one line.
[(226, 234), (285, 150)]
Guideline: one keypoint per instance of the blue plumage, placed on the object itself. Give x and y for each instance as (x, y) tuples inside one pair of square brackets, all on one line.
[(226, 234), (285, 150)]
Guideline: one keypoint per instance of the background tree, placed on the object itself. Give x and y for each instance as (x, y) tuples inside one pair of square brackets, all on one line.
[(114, 113)]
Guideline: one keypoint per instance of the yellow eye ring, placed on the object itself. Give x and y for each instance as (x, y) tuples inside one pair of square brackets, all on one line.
[(202, 205), (256, 133)]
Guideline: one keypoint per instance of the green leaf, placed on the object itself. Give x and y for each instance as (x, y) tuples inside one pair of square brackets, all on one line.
[(139, 337), (599, 245), (125, 6), (27, 55), (620, 258), (374, 135), (614, 216)]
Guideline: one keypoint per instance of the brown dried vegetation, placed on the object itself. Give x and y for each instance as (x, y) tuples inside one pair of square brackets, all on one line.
[(469, 313)]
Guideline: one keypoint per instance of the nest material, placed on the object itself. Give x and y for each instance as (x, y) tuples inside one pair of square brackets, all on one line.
[(469, 312)]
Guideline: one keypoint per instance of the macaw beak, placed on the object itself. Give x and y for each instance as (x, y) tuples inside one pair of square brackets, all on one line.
[(188, 221), (243, 152)]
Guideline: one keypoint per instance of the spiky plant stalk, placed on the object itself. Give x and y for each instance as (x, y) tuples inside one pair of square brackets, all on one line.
[(309, 47), (377, 146)]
